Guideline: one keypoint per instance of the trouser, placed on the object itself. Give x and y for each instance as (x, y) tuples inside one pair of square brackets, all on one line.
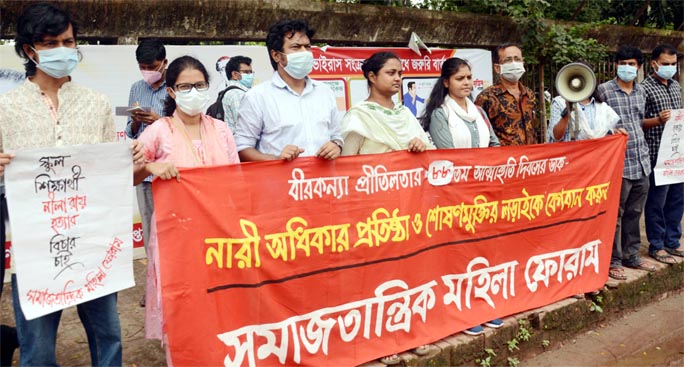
[(143, 193), (663, 215), (38, 337), (627, 238)]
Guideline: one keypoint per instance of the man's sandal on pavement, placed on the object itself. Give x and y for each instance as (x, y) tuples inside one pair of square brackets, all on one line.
[(663, 258), (642, 265), (617, 273), (674, 252)]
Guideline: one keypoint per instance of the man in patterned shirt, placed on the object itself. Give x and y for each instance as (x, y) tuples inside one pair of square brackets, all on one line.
[(627, 98), (49, 110), (510, 105), (665, 203)]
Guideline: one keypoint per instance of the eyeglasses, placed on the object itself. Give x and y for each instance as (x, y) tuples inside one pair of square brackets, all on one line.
[(246, 72), (187, 87), (511, 59)]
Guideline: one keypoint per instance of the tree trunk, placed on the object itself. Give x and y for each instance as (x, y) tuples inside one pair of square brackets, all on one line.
[(542, 103)]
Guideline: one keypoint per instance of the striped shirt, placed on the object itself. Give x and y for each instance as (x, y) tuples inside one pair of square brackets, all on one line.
[(630, 108), (557, 107), (231, 102), (142, 93), (659, 97)]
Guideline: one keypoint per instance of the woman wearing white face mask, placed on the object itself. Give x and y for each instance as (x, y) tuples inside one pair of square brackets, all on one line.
[(185, 137)]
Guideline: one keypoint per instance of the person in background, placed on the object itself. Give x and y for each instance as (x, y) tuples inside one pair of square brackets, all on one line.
[(411, 98), (291, 114), (452, 119), (240, 79), (150, 92), (50, 110), (596, 118), (627, 98), (664, 203), (378, 125), (221, 64), (509, 104), (184, 137)]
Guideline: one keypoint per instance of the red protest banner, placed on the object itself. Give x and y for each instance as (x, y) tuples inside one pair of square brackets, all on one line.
[(336, 263)]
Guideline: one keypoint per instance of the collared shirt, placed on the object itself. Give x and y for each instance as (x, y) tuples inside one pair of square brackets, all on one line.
[(146, 96), (231, 102), (659, 97), (513, 120), (557, 107), (28, 119), (630, 108), (272, 115)]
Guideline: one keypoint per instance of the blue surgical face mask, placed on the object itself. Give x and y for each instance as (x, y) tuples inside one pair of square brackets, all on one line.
[(626, 73), (299, 64), (247, 80), (666, 71), (57, 62)]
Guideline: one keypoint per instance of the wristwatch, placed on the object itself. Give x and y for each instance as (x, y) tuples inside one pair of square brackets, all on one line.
[(338, 143), (564, 113)]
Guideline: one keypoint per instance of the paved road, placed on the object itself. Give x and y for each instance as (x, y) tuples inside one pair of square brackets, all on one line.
[(651, 336)]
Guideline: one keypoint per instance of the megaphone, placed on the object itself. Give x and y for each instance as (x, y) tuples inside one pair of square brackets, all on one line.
[(575, 82)]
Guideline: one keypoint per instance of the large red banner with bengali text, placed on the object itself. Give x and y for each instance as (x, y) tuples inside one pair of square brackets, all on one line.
[(323, 263)]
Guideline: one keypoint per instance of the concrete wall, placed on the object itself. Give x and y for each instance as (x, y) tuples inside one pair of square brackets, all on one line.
[(123, 21)]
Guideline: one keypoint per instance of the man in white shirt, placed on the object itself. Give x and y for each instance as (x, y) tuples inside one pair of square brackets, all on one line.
[(290, 115), (49, 110)]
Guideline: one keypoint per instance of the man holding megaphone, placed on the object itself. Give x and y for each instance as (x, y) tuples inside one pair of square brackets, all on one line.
[(578, 113)]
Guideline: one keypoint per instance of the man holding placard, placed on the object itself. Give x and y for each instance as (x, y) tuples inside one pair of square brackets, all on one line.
[(665, 203), (48, 110)]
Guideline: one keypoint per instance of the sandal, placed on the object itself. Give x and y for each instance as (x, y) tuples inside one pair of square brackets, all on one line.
[(665, 258), (617, 273), (642, 265), (674, 251), (422, 350), (390, 360)]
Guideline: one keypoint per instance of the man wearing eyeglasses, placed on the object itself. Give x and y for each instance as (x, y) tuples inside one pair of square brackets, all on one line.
[(509, 104), (291, 114)]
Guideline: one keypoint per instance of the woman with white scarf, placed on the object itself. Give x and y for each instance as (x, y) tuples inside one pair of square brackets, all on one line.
[(378, 124), (452, 119)]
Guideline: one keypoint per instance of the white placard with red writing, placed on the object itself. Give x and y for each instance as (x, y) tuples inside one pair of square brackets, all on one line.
[(669, 168), (71, 216)]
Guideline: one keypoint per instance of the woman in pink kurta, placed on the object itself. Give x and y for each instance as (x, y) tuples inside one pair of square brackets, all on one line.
[(185, 138)]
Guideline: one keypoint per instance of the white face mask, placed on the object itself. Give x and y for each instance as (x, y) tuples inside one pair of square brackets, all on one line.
[(512, 71), (192, 102), (299, 64), (57, 62)]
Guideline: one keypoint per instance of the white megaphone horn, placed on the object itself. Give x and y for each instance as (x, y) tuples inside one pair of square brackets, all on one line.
[(575, 82)]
